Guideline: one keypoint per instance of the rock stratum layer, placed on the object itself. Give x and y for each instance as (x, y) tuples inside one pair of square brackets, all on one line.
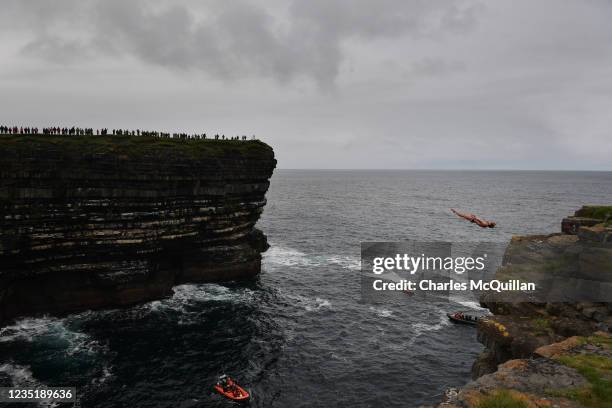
[(548, 353), (103, 221)]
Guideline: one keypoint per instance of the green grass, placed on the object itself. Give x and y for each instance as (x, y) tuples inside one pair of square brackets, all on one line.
[(605, 342), (134, 146), (600, 212), (501, 399), (597, 370), (540, 325)]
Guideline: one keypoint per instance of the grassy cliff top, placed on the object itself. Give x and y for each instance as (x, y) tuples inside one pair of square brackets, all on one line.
[(576, 372), (595, 211), (136, 146)]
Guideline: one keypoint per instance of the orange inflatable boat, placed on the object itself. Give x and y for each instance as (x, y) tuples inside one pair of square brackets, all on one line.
[(229, 389)]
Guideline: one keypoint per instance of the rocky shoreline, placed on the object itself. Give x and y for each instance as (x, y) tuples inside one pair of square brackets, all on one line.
[(548, 353), (91, 222)]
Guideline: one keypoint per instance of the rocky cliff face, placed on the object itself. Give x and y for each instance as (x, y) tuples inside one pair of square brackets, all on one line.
[(547, 352), (99, 221), (576, 264), (575, 372)]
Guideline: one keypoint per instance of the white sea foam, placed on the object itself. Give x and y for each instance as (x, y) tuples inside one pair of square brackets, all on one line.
[(210, 292), (186, 298), (52, 330), (22, 377), (286, 256), (422, 328), (309, 304), (468, 303), (320, 304), (381, 312), (28, 329), (347, 262)]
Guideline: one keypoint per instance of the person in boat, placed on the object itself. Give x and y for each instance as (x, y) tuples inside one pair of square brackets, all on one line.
[(228, 385), (474, 219), (225, 382)]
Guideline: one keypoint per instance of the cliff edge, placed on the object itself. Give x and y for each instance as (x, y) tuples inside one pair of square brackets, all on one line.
[(102, 221), (547, 352)]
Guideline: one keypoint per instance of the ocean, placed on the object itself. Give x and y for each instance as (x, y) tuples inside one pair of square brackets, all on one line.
[(299, 334)]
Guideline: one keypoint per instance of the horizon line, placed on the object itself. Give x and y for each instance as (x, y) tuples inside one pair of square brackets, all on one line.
[(437, 169)]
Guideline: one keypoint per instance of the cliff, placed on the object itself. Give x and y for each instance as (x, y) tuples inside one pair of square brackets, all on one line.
[(102, 221), (549, 352), (576, 372)]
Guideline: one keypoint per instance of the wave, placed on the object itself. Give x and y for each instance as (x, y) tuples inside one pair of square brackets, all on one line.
[(309, 304), (380, 312), (192, 294), (187, 302), (286, 256), (320, 304), (50, 330), (347, 262), (470, 304), (22, 377), (422, 328), (57, 335), (28, 329), (211, 292)]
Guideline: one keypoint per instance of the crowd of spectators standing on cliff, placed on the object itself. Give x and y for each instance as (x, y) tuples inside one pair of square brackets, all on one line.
[(77, 131)]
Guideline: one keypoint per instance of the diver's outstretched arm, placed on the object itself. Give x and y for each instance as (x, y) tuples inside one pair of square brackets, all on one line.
[(474, 219), (468, 217)]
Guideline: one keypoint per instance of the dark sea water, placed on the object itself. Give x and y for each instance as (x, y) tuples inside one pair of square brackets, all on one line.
[(298, 335)]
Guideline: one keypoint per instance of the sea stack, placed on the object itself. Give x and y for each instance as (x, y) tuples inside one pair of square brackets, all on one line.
[(103, 221)]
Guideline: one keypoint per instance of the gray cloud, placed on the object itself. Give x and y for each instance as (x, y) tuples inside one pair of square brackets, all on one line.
[(230, 39), (414, 83), (434, 66), (55, 49)]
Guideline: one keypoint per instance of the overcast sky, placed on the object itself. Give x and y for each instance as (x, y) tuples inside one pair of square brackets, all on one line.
[(513, 84)]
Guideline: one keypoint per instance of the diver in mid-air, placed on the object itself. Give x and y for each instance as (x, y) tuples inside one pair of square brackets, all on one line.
[(475, 219)]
